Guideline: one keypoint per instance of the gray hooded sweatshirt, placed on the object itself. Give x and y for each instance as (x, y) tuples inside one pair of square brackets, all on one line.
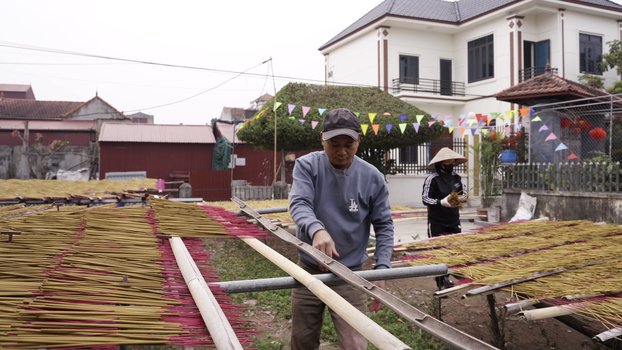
[(345, 203)]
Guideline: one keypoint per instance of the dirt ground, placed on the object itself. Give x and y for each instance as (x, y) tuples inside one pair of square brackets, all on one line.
[(470, 316)]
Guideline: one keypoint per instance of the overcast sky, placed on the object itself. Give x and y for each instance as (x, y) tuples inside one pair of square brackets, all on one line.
[(233, 36), (216, 40)]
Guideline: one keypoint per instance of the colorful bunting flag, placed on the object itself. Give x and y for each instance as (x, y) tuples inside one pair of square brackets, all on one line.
[(551, 137), (431, 123), (277, 105), (448, 116), (560, 147), (364, 127), (403, 117), (302, 121), (357, 114), (524, 111), (372, 116), (473, 131), (451, 130), (305, 110), (321, 110), (403, 127), (314, 124), (389, 127), (376, 127), (416, 126), (536, 119), (543, 127), (291, 107), (573, 156), (419, 117)]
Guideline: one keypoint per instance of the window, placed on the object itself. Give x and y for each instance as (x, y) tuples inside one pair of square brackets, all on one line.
[(409, 69), (590, 51), (481, 58)]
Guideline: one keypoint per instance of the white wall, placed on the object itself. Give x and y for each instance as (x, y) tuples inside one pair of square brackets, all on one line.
[(355, 62), (406, 190)]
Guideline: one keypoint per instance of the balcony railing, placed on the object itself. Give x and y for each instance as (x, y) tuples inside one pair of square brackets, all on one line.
[(528, 73), (442, 87)]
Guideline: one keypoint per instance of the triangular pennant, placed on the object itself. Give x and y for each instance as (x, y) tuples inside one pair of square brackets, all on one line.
[(357, 114), (510, 114), (302, 121), (435, 116), (451, 130), (471, 122), (536, 119), (524, 111), (485, 131), (291, 107), (277, 104), (321, 110), (291, 117), (364, 127), (403, 117), (372, 116), (314, 124), (462, 131), (305, 110), (389, 127), (431, 123), (560, 147), (403, 127), (531, 111), (376, 127), (473, 131), (416, 126), (551, 137), (573, 156), (448, 116), (448, 123), (419, 117), (543, 127)]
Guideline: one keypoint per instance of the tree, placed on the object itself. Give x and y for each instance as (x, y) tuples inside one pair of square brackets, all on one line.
[(294, 135), (590, 79), (43, 153), (613, 59)]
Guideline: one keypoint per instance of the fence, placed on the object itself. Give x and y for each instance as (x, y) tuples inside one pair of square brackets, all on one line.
[(578, 131), (602, 177), (415, 159)]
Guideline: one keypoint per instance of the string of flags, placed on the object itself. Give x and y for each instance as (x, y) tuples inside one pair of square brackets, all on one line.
[(481, 122)]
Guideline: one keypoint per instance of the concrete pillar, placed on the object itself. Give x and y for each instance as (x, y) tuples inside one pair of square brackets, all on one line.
[(280, 190)]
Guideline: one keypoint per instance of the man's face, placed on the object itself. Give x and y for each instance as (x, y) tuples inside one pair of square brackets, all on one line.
[(341, 150)]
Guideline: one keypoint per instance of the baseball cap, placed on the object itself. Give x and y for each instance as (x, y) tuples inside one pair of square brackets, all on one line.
[(341, 121)]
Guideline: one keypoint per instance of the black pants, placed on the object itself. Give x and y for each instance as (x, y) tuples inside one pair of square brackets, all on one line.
[(435, 230)]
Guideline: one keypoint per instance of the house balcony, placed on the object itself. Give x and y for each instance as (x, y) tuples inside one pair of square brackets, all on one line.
[(433, 86), (528, 73)]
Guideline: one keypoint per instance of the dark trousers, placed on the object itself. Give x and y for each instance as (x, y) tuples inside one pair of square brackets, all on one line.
[(435, 230)]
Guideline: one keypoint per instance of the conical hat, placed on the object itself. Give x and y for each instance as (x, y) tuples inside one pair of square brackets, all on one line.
[(445, 154)]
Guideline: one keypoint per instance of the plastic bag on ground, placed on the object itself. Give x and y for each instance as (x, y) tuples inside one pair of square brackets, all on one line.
[(526, 208)]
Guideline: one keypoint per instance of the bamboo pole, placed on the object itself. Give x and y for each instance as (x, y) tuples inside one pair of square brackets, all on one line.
[(549, 312), (369, 329), (220, 330)]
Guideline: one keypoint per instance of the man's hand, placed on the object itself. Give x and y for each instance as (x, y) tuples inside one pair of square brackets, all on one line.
[(375, 304), (445, 202), (323, 242)]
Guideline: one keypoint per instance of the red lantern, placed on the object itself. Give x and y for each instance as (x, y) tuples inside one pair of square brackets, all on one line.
[(583, 124), (598, 134), (565, 122)]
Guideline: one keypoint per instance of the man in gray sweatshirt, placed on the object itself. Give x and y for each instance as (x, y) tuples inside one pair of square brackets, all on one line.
[(335, 198)]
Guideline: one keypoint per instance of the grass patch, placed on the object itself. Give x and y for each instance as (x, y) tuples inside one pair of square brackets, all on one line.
[(236, 261)]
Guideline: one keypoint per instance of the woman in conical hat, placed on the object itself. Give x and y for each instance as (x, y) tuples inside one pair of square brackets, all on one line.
[(443, 180)]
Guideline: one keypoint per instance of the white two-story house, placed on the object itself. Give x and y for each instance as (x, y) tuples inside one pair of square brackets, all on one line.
[(450, 57)]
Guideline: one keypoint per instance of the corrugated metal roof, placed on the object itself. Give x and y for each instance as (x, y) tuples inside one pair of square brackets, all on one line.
[(441, 10), (15, 87), (159, 133), (49, 125)]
